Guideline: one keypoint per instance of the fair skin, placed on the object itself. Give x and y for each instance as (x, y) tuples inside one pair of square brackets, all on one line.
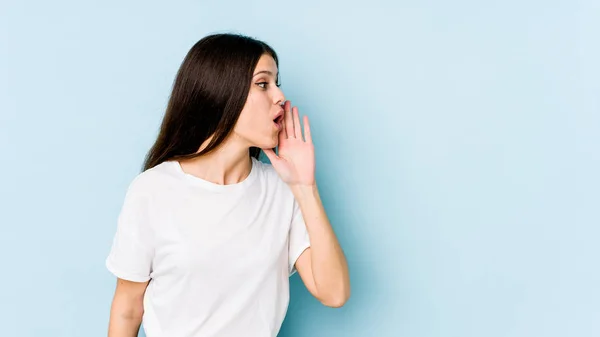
[(322, 267)]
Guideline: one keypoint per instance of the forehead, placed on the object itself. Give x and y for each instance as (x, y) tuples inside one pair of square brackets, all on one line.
[(266, 63)]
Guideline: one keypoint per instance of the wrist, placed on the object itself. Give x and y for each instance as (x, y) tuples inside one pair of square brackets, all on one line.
[(304, 190)]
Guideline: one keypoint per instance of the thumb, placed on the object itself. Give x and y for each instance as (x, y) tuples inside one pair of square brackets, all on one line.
[(271, 155)]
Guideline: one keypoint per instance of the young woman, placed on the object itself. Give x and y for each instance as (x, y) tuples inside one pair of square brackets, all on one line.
[(208, 235)]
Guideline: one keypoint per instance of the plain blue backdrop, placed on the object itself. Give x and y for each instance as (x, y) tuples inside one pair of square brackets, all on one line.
[(457, 155)]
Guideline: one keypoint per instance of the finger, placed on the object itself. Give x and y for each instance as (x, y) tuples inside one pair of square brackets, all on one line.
[(307, 134), (297, 127), (271, 155), (289, 120), (282, 138)]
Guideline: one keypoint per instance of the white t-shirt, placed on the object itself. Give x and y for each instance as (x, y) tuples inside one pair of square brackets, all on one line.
[(218, 257)]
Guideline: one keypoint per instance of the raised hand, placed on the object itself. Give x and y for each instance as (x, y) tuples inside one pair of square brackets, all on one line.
[(295, 158)]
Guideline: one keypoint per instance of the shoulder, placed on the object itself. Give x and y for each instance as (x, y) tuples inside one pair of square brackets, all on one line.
[(268, 173), (150, 182), (271, 178), (265, 169)]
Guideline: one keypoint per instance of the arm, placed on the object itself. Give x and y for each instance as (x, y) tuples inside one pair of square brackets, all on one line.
[(322, 267), (127, 309)]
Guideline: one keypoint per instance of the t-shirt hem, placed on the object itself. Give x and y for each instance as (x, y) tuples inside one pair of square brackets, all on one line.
[(295, 256), (124, 275)]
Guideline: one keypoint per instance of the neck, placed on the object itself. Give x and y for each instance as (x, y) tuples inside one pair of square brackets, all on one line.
[(230, 163)]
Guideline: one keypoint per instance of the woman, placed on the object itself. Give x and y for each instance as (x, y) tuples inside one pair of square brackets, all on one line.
[(208, 235)]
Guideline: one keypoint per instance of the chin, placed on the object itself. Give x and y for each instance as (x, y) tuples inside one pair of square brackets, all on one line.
[(269, 144)]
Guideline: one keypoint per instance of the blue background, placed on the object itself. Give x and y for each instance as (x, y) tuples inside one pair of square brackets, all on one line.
[(457, 155)]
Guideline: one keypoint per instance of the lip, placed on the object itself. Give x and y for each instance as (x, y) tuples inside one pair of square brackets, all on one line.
[(277, 120), (279, 114)]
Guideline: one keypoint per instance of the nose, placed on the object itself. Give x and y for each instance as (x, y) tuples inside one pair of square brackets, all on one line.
[(279, 97)]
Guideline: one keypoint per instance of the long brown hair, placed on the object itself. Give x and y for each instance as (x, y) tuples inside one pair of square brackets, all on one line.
[(209, 93)]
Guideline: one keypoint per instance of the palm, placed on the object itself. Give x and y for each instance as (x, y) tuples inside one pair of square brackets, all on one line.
[(295, 158)]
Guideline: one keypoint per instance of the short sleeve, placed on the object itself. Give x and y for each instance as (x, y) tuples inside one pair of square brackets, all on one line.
[(131, 254), (298, 239)]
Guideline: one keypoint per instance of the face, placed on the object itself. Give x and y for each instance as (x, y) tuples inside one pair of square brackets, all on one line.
[(259, 123)]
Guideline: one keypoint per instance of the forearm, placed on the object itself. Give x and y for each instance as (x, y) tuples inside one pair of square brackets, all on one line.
[(123, 326), (328, 263), (125, 315)]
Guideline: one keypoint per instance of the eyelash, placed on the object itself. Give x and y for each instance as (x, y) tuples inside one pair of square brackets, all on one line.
[(266, 83)]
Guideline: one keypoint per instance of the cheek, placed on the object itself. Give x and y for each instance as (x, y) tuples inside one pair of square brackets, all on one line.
[(251, 122), (257, 109), (255, 118)]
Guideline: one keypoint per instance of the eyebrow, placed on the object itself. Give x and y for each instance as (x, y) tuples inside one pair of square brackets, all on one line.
[(263, 72)]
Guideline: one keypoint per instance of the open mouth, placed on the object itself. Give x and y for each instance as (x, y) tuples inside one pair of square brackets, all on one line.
[(278, 121)]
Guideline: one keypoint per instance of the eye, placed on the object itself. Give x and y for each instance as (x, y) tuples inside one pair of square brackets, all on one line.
[(263, 85)]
